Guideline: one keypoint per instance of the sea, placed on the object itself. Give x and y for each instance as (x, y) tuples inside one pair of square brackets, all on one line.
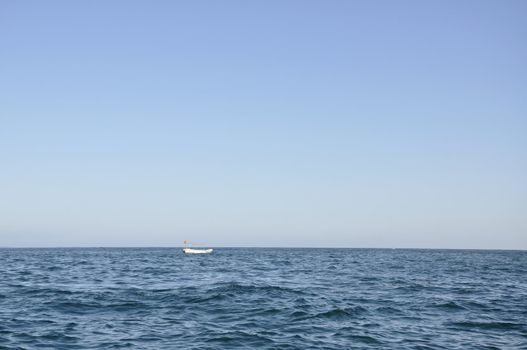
[(262, 298)]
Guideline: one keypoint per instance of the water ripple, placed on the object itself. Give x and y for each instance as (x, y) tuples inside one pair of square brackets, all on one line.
[(262, 298)]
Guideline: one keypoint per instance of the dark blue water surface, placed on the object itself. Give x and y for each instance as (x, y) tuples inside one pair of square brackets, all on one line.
[(263, 298)]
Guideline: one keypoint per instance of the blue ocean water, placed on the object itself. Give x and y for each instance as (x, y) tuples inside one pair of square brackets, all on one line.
[(262, 298)]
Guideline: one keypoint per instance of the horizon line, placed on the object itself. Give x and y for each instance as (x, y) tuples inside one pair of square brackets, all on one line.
[(253, 247)]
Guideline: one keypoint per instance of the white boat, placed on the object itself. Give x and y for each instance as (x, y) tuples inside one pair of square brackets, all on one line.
[(188, 250), (197, 251)]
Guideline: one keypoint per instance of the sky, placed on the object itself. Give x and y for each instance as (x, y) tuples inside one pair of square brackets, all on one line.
[(264, 123)]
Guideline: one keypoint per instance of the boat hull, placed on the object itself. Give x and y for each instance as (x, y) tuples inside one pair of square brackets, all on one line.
[(196, 251)]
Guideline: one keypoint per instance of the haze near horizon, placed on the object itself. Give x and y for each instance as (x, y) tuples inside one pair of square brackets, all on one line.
[(264, 123)]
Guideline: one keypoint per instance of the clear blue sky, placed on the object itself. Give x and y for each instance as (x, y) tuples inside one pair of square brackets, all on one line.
[(263, 123)]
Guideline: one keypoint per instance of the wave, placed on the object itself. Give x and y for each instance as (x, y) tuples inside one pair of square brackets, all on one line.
[(366, 339), (489, 325), (339, 313), (234, 288), (451, 305), (239, 337), (389, 310)]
